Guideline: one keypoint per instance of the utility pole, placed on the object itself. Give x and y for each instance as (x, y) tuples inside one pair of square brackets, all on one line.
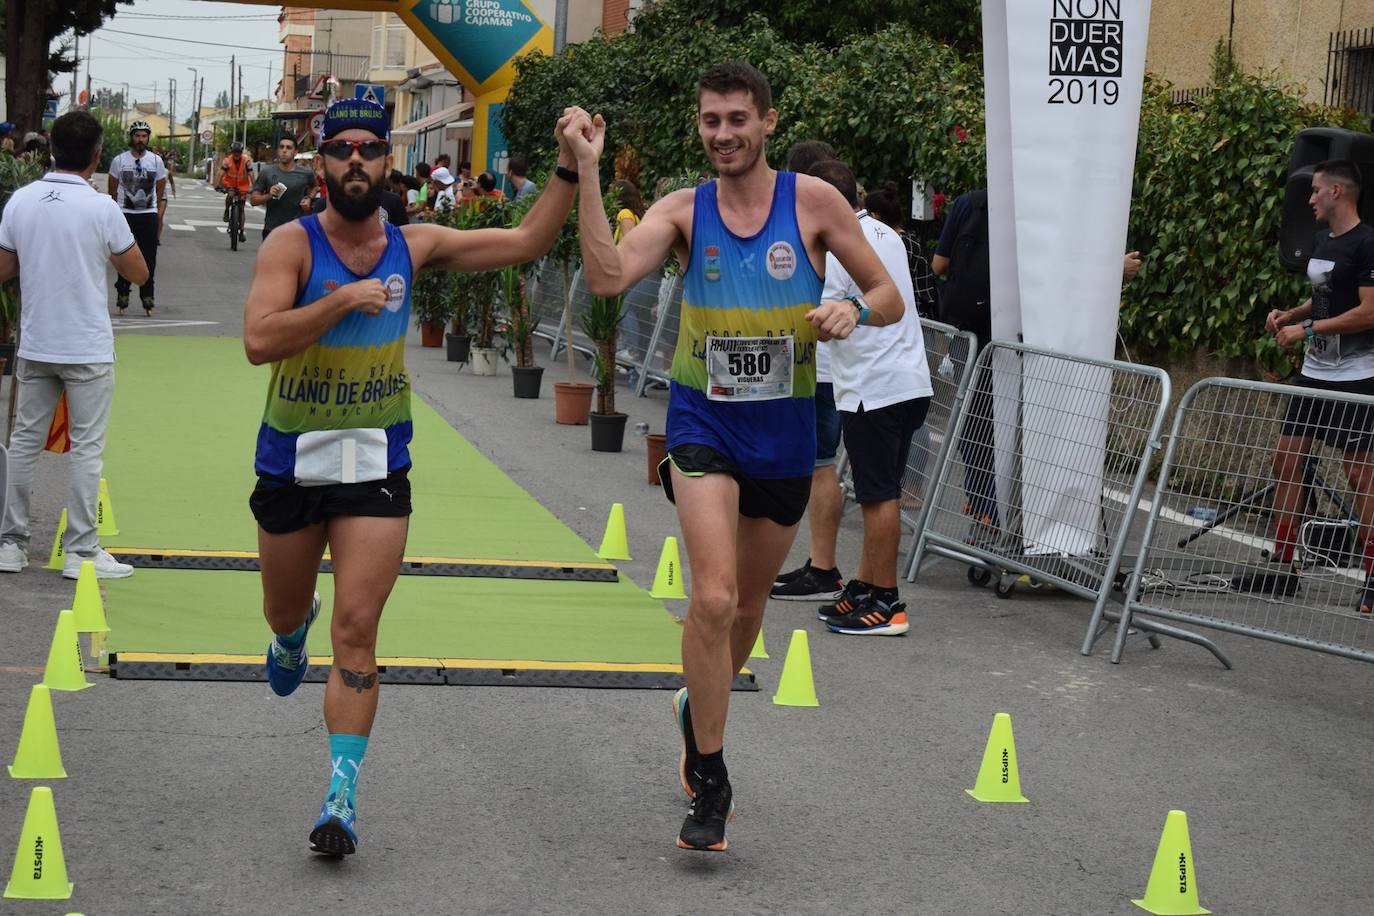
[(195, 120), (171, 107), (230, 112), (77, 59), (243, 110)]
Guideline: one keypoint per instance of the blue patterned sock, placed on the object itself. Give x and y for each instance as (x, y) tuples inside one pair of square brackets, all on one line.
[(346, 758)]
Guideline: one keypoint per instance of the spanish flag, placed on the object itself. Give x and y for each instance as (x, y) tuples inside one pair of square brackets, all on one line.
[(59, 433)]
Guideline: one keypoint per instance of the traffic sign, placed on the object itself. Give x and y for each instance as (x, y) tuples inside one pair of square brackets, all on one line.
[(370, 92), (317, 123), (207, 134)]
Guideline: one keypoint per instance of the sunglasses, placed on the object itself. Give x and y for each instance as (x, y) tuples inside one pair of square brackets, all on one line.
[(343, 150)]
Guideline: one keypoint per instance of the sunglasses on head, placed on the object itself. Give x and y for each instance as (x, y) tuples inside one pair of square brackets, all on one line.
[(343, 150)]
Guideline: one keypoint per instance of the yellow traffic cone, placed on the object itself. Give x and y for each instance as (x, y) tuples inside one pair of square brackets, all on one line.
[(40, 871), (57, 557), (104, 513), (796, 686), (668, 580), (87, 606), (1172, 890), (614, 544), (998, 778), (65, 670), (38, 756), (758, 651)]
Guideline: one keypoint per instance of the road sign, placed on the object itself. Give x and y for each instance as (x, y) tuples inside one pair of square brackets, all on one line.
[(370, 92), (317, 123), (207, 134), (50, 110)]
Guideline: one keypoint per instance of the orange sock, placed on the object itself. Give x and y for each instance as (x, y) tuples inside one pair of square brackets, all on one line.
[(1285, 537)]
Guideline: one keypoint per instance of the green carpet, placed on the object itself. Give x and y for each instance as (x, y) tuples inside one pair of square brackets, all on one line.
[(179, 461)]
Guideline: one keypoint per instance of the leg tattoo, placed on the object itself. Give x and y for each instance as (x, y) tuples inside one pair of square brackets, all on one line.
[(357, 680)]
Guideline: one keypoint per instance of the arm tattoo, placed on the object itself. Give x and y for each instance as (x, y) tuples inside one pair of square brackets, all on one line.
[(358, 681)]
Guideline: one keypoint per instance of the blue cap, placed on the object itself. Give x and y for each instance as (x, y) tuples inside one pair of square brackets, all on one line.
[(347, 114)]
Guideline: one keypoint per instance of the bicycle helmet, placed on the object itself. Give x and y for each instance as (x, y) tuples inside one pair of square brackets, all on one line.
[(236, 147), (140, 125)]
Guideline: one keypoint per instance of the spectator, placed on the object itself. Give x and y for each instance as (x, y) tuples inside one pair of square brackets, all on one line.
[(62, 233), (487, 189), (882, 391), (138, 181), (422, 172), (441, 190), (520, 183), (818, 579), (633, 331), (885, 204), (393, 206), (443, 161)]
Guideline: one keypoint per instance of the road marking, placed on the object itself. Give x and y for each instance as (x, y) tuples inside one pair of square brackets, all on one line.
[(181, 228), (153, 324)]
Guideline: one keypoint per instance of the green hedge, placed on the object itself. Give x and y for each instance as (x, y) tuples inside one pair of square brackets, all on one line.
[(896, 104)]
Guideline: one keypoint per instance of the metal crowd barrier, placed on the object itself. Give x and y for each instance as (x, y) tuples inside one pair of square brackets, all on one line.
[(648, 332), (1206, 547), (1045, 486), (949, 354)]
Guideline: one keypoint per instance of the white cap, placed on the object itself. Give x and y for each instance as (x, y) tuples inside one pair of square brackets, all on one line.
[(442, 175)]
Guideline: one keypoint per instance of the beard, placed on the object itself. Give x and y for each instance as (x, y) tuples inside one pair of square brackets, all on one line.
[(138, 147), (354, 207), (744, 161)]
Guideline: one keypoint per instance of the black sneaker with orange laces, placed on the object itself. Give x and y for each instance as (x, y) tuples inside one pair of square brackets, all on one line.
[(849, 598), (872, 617)]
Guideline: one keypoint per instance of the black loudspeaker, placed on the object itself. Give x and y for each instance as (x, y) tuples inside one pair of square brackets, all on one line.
[(1315, 145)]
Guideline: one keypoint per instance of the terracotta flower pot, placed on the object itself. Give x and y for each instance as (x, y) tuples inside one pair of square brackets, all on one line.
[(656, 444), (431, 335), (572, 402)]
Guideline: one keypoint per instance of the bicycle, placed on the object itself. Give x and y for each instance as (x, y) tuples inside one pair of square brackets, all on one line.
[(235, 216)]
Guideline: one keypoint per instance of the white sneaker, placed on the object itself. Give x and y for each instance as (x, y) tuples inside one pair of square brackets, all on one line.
[(13, 558), (106, 566)]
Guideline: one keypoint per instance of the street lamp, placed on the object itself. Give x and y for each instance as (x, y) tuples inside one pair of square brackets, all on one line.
[(124, 107)]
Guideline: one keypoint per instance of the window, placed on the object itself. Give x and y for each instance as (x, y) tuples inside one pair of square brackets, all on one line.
[(389, 43)]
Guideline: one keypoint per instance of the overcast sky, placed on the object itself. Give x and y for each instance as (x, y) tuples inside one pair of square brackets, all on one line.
[(139, 46)]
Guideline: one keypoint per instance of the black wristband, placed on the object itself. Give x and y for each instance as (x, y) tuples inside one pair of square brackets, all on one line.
[(566, 174)]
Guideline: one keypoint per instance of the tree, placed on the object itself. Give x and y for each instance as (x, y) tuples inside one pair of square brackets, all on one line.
[(222, 100), (31, 27)]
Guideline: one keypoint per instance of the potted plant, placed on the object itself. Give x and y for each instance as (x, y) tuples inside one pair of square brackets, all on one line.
[(458, 341), (600, 322), (477, 292), (430, 303), (572, 400), (520, 328)]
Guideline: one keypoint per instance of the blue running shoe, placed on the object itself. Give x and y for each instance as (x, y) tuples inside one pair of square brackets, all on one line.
[(336, 832), (286, 667)]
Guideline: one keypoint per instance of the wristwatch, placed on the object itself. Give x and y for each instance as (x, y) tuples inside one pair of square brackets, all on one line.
[(862, 306), (1307, 327)]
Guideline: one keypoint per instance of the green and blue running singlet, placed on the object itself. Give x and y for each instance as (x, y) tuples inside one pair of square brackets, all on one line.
[(744, 373), (342, 406)]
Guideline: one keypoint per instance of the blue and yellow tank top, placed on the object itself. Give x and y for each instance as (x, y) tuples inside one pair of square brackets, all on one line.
[(353, 377), (761, 286)]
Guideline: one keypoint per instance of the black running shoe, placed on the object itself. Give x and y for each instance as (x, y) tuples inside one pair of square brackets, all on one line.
[(849, 598), (711, 810), (1365, 604), (792, 575), (1279, 579), (812, 585), (872, 617)]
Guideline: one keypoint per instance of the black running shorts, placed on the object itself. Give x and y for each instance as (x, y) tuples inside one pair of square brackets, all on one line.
[(877, 443), (282, 507), (1341, 425), (782, 501)]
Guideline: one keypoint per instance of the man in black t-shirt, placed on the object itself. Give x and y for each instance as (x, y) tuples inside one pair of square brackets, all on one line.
[(284, 188), (1337, 323)]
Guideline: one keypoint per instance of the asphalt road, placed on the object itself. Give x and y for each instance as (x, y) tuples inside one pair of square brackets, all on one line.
[(196, 798)]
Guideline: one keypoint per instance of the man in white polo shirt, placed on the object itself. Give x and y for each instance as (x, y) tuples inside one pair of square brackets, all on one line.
[(882, 390), (62, 233)]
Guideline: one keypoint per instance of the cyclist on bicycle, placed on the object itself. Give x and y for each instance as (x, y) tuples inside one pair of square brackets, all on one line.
[(236, 173), (138, 182)]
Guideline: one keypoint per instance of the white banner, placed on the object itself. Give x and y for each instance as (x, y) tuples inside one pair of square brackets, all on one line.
[(1074, 75), (1004, 292)]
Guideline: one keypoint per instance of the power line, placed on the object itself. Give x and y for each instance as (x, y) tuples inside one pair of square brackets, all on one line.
[(248, 17), (192, 41)]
